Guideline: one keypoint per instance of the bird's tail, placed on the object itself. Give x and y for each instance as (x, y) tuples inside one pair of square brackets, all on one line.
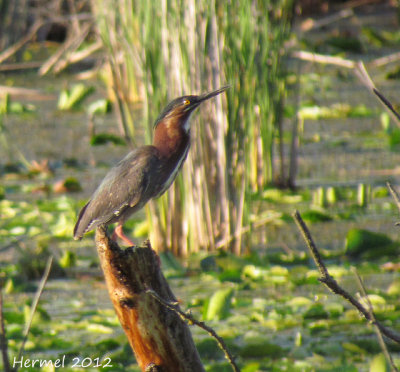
[(80, 227)]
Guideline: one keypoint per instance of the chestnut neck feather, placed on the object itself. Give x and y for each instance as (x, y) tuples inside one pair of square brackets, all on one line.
[(171, 139)]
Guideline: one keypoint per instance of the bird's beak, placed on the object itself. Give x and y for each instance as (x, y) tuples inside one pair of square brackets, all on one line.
[(203, 97), (214, 93)]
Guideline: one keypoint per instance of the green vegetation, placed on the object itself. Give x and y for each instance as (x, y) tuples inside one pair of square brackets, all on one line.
[(267, 303), (72, 98), (272, 316)]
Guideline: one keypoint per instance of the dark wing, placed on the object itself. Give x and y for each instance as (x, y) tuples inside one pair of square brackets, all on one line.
[(124, 190)]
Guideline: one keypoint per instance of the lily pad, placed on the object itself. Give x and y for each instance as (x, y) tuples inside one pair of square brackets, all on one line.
[(219, 305), (261, 348), (104, 138), (360, 241), (71, 98)]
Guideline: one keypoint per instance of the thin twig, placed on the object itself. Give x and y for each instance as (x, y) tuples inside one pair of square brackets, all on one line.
[(310, 244), (362, 73), (77, 56), (191, 320), (376, 328), (386, 102), (381, 61), (34, 305), (332, 284), (313, 24), (3, 338), (320, 58), (395, 196), (20, 65)]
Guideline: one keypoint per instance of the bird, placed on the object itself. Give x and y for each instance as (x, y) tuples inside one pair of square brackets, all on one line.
[(144, 173)]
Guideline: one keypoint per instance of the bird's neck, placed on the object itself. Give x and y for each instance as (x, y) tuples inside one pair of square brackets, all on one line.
[(171, 140)]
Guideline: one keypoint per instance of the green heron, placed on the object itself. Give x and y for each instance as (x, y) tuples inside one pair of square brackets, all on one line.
[(145, 173)]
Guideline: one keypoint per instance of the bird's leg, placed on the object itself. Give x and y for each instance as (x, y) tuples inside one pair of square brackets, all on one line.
[(118, 233)]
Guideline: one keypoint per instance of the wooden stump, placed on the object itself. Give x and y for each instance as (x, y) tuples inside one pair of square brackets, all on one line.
[(160, 339)]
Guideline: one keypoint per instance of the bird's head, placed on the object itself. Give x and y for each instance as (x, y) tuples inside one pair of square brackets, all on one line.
[(179, 110)]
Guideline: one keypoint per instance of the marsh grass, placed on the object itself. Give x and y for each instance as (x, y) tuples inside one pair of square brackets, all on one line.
[(160, 50)]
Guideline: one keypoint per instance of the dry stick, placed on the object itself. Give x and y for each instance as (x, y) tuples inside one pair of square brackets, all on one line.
[(20, 65), (191, 320), (386, 59), (309, 25), (19, 44), (32, 94), (82, 54), (34, 305), (320, 58), (332, 284), (376, 328), (75, 57), (71, 44), (158, 336), (3, 338)]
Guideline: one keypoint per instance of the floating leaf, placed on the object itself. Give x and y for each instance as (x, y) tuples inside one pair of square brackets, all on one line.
[(385, 122), (359, 241), (394, 288), (379, 364), (171, 266), (70, 184), (373, 36), (208, 348), (219, 305), (354, 348), (68, 259), (254, 272), (393, 74), (41, 315), (331, 195), (233, 275), (316, 311), (71, 99), (299, 301), (394, 139), (345, 43), (316, 216), (101, 106), (380, 192), (64, 227), (363, 192), (280, 196), (259, 347), (209, 263), (141, 229), (104, 138), (378, 303), (251, 367), (334, 309), (99, 328)]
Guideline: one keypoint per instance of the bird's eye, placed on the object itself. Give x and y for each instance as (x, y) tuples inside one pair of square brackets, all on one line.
[(186, 102)]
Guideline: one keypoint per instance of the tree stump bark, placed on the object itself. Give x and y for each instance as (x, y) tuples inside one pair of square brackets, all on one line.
[(160, 339)]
